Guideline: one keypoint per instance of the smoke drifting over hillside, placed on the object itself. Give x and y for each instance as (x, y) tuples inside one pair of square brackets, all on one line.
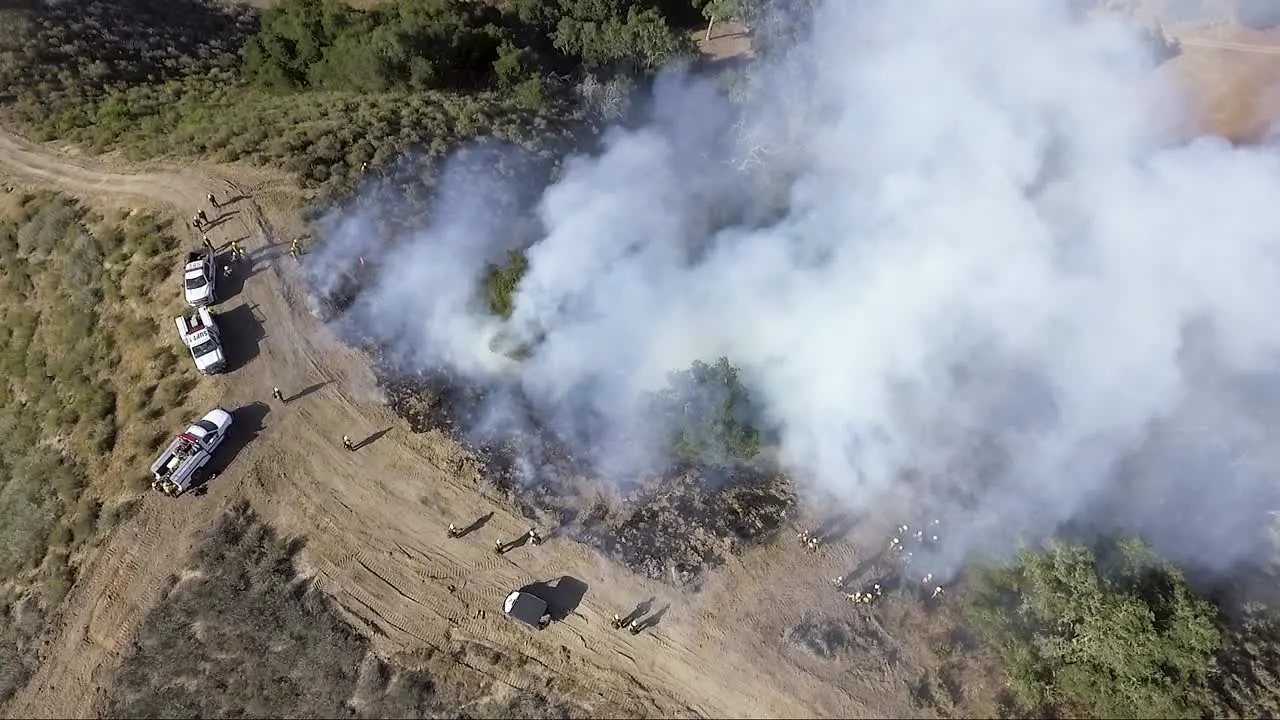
[(954, 239)]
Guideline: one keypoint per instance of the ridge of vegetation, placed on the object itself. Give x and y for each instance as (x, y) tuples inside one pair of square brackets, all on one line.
[(322, 89)]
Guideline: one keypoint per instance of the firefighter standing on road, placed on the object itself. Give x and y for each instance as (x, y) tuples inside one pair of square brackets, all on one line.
[(275, 393), (346, 443), (453, 530), (213, 201)]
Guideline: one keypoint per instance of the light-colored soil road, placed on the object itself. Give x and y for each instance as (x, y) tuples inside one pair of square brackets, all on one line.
[(1232, 79), (375, 519), (1194, 42)]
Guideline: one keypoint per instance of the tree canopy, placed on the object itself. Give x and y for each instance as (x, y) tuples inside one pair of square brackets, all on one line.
[(1113, 635), (454, 44), (708, 412), (502, 281)]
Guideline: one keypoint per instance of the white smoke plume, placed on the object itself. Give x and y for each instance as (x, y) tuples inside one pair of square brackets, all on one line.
[(956, 242)]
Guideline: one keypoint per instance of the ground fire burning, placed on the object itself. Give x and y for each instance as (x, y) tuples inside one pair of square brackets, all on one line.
[(672, 527)]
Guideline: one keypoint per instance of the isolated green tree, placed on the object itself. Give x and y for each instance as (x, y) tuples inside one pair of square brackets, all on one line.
[(502, 282), (1120, 635), (745, 11), (708, 412)]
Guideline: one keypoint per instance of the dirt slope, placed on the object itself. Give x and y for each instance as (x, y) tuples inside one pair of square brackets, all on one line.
[(375, 519), (1233, 79)]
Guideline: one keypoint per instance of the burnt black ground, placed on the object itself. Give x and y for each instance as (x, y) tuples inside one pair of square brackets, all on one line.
[(672, 527)]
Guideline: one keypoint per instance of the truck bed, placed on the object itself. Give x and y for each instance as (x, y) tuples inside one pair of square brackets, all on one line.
[(179, 461)]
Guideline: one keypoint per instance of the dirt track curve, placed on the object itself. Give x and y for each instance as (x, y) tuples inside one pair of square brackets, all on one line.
[(375, 519), (1195, 42)]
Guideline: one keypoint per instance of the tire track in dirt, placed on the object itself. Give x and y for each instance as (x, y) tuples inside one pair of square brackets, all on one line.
[(129, 572), (1187, 41), (100, 616), (363, 518)]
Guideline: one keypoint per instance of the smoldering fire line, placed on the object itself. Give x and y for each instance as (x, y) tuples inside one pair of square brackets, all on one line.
[(983, 258)]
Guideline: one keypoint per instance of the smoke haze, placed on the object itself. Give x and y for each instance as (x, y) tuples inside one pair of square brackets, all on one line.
[(952, 241)]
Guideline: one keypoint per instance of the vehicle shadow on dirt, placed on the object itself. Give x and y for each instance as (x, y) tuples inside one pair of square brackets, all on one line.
[(230, 286), (562, 595), (247, 423), (242, 333), (307, 390)]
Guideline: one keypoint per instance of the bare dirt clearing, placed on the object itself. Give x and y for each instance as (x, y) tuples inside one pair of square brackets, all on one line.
[(375, 519), (1233, 78)]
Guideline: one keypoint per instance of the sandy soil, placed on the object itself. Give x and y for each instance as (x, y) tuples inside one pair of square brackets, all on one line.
[(1233, 78), (728, 40), (375, 519)]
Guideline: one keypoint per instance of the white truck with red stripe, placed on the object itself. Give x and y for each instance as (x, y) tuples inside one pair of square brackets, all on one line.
[(178, 467), (200, 334)]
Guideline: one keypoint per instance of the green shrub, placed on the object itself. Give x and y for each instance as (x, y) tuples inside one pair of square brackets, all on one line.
[(1121, 635), (503, 281), (708, 413)]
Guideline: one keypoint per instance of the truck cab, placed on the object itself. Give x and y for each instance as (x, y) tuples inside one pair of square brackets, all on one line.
[(198, 278), (528, 609), (200, 334)]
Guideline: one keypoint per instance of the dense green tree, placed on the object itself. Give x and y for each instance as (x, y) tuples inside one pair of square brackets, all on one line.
[(708, 412), (293, 37), (455, 44), (1115, 635), (605, 34), (745, 11), (502, 282)]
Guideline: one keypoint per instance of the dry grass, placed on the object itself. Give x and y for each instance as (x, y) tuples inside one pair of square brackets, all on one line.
[(323, 137), (241, 634), (91, 381), (160, 78)]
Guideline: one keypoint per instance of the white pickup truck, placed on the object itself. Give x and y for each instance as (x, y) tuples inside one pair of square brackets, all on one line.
[(198, 278), (177, 468), (200, 334)]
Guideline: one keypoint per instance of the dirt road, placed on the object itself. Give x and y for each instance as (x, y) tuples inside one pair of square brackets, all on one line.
[(1189, 41), (1232, 79), (375, 519)]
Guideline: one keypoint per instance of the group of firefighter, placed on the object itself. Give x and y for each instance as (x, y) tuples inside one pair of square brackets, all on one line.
[(901, 550), (200, 221), (632, 623)]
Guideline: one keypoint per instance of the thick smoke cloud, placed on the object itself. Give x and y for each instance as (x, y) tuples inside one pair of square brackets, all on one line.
[(965, 267)]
